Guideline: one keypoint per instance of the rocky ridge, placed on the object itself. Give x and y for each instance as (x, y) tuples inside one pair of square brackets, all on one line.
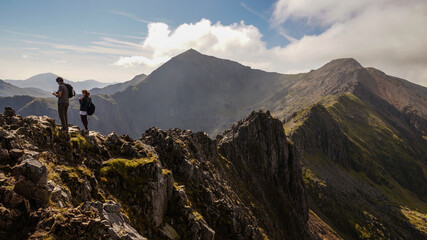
[(171, 184)]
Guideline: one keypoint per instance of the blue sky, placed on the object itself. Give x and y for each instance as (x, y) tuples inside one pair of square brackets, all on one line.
[(111, 40)]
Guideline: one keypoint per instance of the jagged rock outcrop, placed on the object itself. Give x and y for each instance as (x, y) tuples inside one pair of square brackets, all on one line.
[(261, 155), (239, 178), (168, 185)]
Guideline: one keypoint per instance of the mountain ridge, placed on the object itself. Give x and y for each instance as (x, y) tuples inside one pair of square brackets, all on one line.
[(46, 82), (118, 87), (7, 90), (174, 184)]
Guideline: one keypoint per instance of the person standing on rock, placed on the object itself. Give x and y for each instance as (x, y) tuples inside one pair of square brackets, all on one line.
[(63, 103), (84, 105)]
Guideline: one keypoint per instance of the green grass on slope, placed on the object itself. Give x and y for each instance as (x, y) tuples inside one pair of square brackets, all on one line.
[(380, 143), (385, 158)]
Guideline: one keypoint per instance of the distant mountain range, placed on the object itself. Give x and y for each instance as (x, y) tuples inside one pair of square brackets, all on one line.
[(46, 82), (9, 90), (362, 135), (118, 87)]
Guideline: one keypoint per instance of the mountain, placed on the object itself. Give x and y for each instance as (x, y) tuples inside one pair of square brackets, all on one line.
[(364, 176), (46, 82), (7, 90), (118, 87), (166, 185), (363, 148), (197, 92), (360, 134)]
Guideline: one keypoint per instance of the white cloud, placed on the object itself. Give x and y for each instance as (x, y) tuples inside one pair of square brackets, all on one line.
[(387, 34), (59, 61), (319, 12), (27, 56), (390, 36), (108, 46), (24, 34), (230, 41), (131, 16), (140, 60)]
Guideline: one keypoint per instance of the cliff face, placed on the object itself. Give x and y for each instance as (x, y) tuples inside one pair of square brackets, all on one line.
[(262, 157), (167, 185), (248, 177)]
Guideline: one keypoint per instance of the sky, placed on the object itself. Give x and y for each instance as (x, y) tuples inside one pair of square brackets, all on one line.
[(114, 40)]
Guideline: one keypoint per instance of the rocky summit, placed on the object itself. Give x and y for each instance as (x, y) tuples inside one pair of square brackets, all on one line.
[(175, 184)]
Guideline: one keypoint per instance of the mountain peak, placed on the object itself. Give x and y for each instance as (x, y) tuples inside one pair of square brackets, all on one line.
[(191, 51), (44, 75), (348, 63), (189, 54)]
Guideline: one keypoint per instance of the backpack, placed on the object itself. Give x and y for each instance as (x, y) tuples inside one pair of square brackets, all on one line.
[(71, 92), (91, 108)]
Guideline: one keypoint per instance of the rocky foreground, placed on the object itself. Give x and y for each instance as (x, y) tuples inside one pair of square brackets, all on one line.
[(175, 184)]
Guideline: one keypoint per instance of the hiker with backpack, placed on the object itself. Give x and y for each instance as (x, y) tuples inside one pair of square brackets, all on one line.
[(63, 94), (85, 108)]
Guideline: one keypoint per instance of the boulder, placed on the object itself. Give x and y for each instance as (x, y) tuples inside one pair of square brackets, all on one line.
[(32, 170), (9, 112), (60, 196), (32, 181), (118, 224), (15, 154)]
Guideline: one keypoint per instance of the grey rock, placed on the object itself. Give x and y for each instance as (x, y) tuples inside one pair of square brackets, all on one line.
[(4, 155), (38, 192), (41, 194), (24, 188), (32, 170), (207, 233), (60, 196), (169, 232), (118, 225), (31, 154), (9, 112), (16, 153)]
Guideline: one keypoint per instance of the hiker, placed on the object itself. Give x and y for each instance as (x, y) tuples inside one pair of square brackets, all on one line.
[(63, 103), (84, 105)]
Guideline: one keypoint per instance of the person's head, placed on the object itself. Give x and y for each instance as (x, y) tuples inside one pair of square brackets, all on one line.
[(59, 80), (85, 92)]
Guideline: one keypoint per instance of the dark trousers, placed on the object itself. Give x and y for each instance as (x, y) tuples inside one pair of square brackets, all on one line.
[(84, 120), (62, 111)]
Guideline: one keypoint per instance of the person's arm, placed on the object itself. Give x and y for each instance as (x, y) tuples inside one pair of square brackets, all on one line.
[(58, 93)]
